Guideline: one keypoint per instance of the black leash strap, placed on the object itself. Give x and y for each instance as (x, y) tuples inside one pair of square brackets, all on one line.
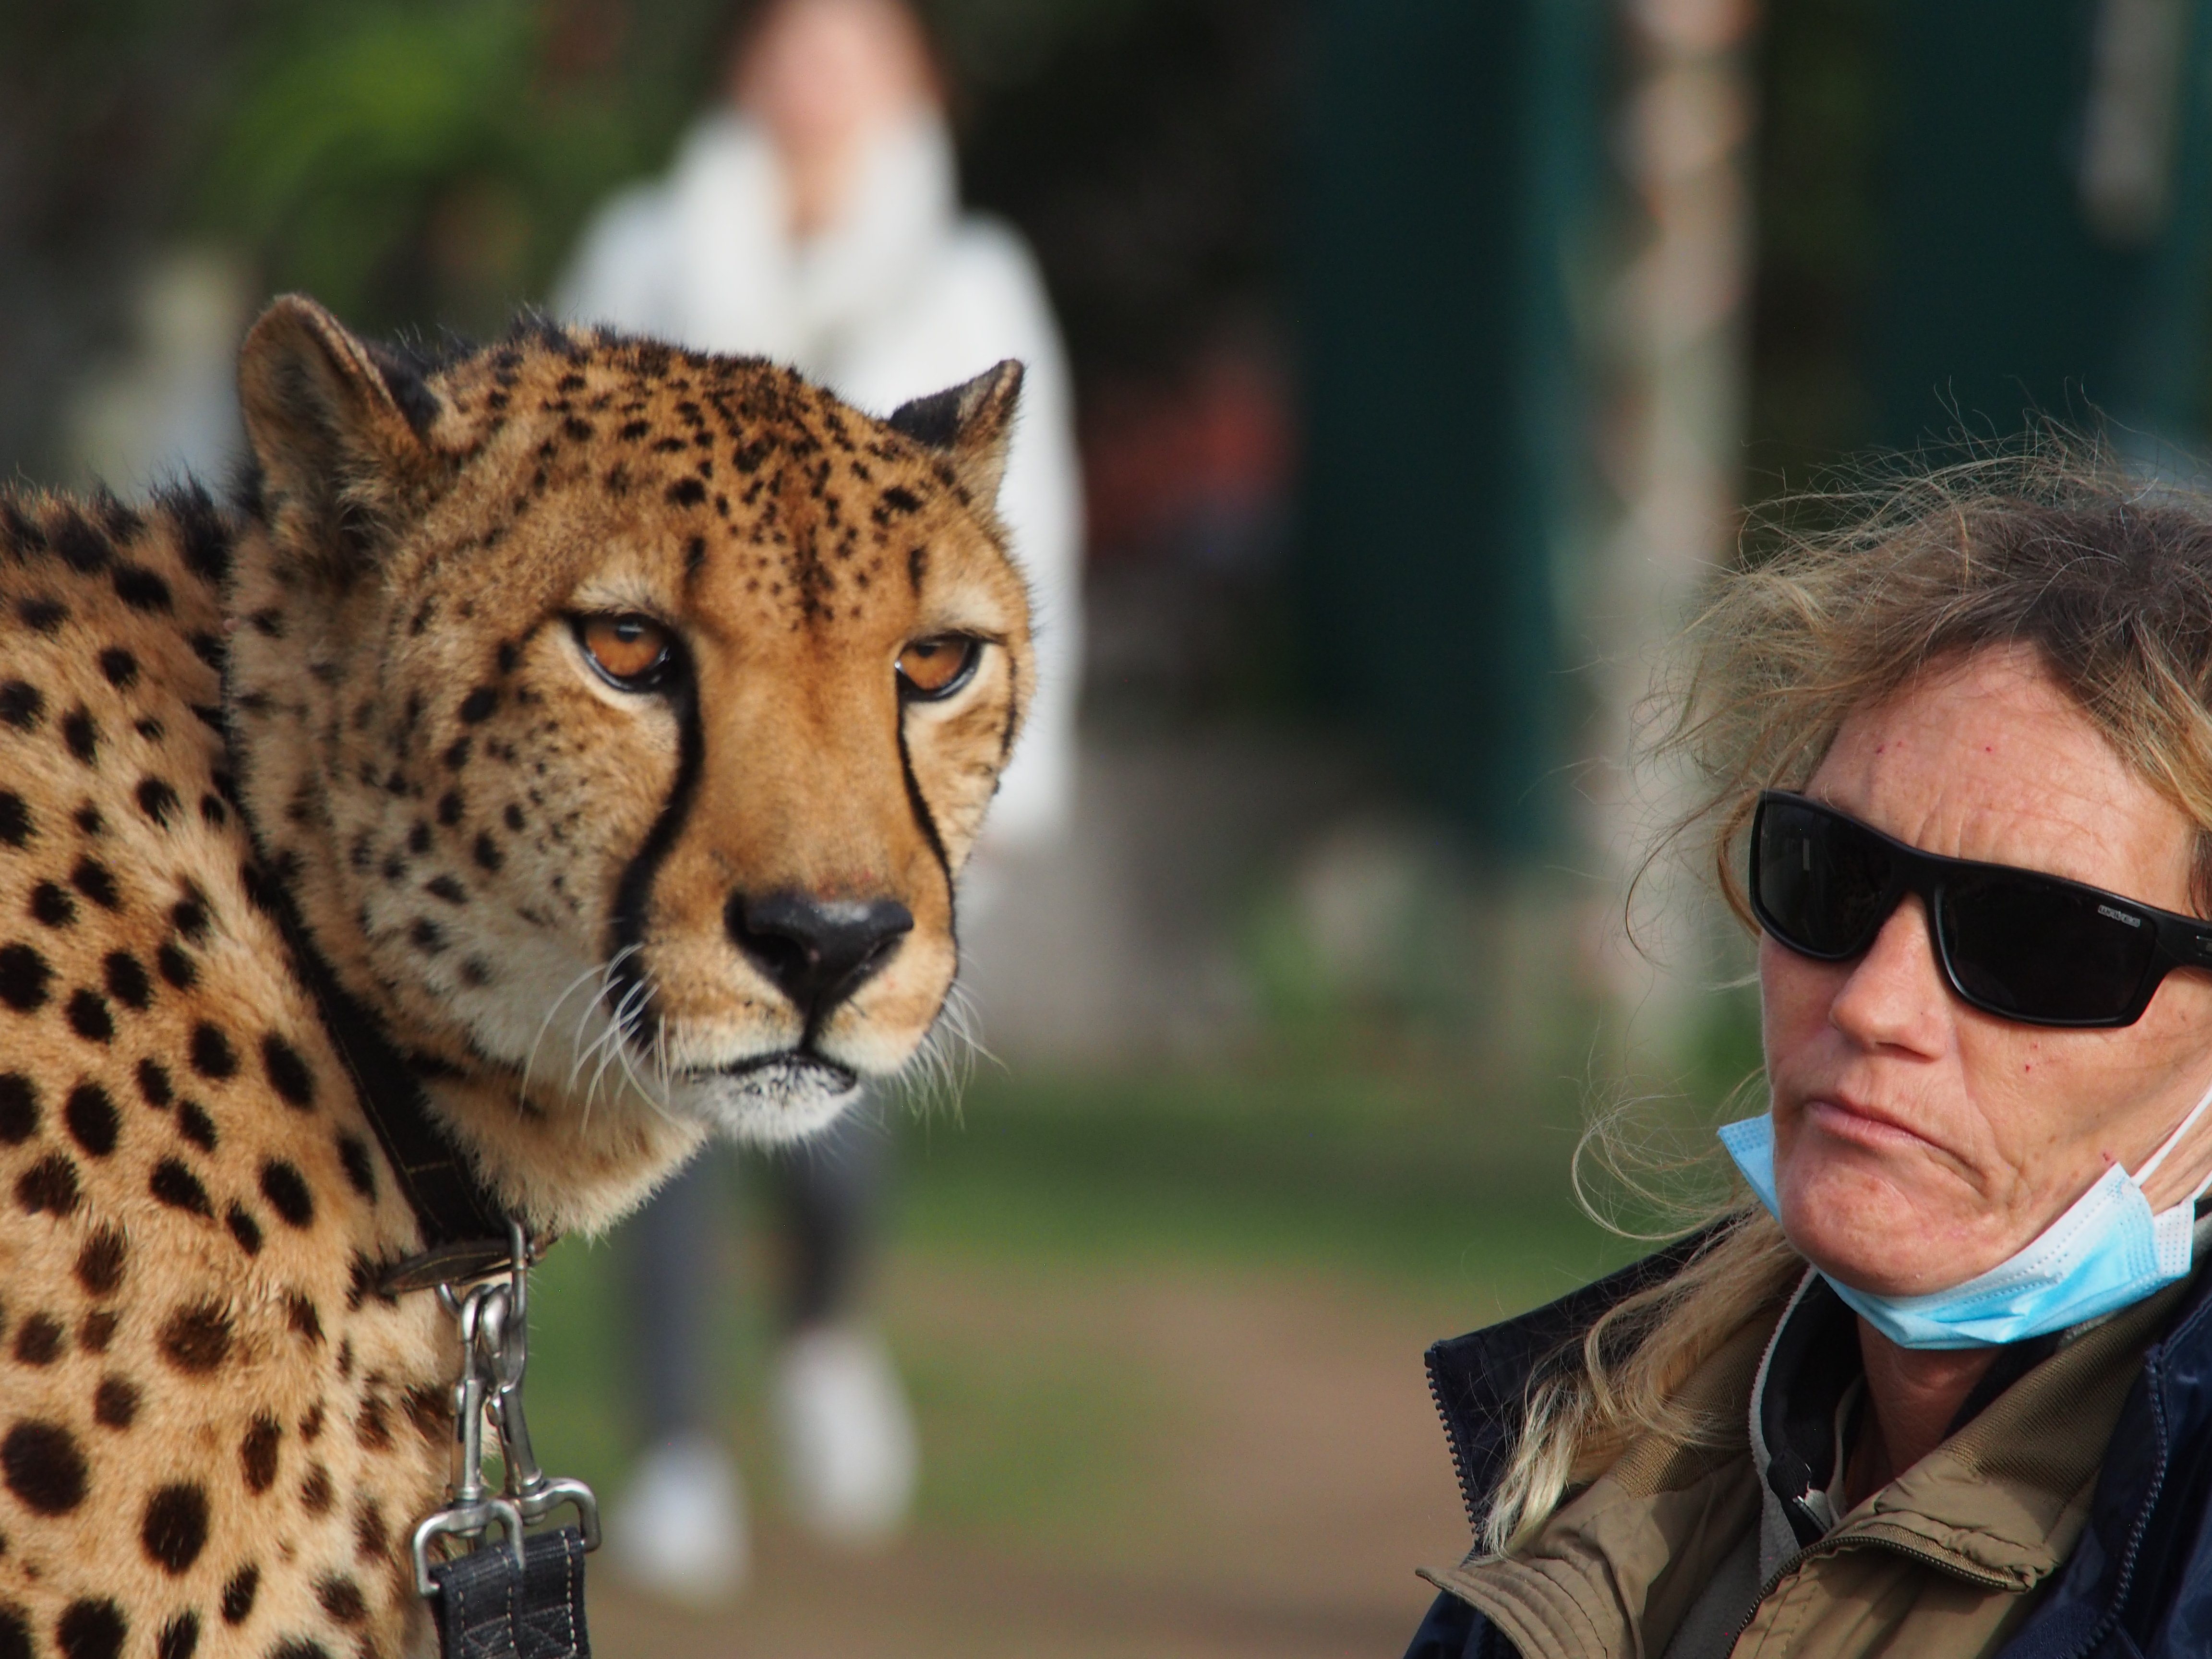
[(486, 1609)]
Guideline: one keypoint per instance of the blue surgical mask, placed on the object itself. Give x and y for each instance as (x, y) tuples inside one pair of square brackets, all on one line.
[(2106, 1252)]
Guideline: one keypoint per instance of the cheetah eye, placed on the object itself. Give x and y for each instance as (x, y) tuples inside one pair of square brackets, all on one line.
[(932, 668), (632, 653)]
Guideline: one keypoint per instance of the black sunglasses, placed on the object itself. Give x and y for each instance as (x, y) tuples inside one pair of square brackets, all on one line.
[(2025, 947)]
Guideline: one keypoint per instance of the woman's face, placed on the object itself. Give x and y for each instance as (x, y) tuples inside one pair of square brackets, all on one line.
[(1917, 1141)]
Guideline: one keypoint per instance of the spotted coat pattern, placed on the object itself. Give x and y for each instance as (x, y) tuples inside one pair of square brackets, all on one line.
[(361, 695)]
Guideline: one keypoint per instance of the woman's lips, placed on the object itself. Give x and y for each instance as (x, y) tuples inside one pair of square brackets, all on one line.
[(1863, 1124)]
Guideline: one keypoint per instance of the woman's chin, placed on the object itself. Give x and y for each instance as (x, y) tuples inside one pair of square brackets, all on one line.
[(1872, 1235)]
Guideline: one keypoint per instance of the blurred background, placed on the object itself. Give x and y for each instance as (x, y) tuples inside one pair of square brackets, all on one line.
[(1424, 353)]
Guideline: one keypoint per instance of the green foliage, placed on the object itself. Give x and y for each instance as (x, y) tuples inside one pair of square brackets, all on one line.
[(412, 162)]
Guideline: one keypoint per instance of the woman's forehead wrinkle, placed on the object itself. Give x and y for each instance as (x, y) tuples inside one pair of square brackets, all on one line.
[(1994, 761)]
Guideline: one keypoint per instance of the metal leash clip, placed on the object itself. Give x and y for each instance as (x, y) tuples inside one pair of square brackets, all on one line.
[(493, 1316)]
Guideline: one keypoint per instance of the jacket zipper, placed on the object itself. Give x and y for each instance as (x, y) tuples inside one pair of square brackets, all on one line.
[(1458, 1463), (2103, 1625)]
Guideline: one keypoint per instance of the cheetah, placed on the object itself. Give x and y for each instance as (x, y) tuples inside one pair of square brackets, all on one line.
[(557, 754)]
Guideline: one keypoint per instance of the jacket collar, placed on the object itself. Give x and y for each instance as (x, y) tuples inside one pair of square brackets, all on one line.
[(2127, 1571)]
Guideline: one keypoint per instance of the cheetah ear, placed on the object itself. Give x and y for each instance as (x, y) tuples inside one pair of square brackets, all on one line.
[(972, 424), (337, 426)]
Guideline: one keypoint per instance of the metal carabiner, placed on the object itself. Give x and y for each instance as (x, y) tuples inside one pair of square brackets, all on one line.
[(492, 1317)]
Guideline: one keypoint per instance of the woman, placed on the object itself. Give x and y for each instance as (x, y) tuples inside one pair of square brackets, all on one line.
[(1942, 1383)]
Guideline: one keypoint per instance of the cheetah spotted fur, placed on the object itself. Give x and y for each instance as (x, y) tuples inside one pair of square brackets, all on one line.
[(367, 698)]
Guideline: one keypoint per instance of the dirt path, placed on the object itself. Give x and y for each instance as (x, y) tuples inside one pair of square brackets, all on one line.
[(1143, 1462)]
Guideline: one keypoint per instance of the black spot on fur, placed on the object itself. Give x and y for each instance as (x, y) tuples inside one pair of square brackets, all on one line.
[(180, 1637), (15, 1632), (487, 852), (52, 906), (96, 1331), (99, 1263), (205, 537), (456, 754), (90, 1017), (686, 492), (15, 819), (97, 883), (39, 1339), (197, 1339), (42, 616), (212, 1053), (176, 1186), (341, 1598), (176, 967), (477, 707), (243, 1228), (19, 1108), (173, 1531), (300, 1313), (141, 589), (158, 801), (48, 1186), (189, 916), (82, 733), (91, 1118), (87, 817), (115, 1403), (317, 1494), (120, 667), (127, 982), (154, 1083), (24, 978), (21, 705), (286, 1189), (447, 887), (43, 1467), (360, 1171), (289, 1075), (450, 808), (90, 1629), (426, 936), (196, 1125), (257, 1453), (418, 839), (238, 1595)]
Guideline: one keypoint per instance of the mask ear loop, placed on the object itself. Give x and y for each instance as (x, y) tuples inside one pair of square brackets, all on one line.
[(2151, 1164)]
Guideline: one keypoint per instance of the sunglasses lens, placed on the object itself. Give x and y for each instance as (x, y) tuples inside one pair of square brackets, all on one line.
[(1818, 881), (2036, 950)]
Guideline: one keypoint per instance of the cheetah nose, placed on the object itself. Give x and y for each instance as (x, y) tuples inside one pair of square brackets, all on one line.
[(818, 952)]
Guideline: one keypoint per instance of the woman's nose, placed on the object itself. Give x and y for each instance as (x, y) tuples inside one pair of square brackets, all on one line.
[(1895, 996)]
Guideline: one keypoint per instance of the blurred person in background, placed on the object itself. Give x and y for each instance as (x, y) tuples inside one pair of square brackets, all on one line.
[(813, 217)]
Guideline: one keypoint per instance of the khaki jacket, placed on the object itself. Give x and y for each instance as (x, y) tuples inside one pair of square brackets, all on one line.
[(1943, 1561)]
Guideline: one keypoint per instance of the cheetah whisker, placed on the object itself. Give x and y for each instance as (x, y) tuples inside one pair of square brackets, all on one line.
[(545, 1025)]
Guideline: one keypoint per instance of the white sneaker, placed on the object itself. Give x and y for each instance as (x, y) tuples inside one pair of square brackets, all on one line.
[(679, 1530), (849, 1454)]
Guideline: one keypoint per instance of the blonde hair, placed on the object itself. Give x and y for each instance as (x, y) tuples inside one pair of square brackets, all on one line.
[(1838, 602)]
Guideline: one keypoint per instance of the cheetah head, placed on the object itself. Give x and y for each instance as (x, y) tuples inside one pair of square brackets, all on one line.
[(617, 720)]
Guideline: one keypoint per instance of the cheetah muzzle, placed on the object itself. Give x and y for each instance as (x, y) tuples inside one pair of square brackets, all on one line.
[(579, 737)]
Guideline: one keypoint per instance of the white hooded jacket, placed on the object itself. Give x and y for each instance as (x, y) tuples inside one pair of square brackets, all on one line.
[(904, 295)]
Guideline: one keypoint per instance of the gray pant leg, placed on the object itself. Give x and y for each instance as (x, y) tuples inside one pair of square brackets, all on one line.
[(673, 1254), (830, 1197)]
